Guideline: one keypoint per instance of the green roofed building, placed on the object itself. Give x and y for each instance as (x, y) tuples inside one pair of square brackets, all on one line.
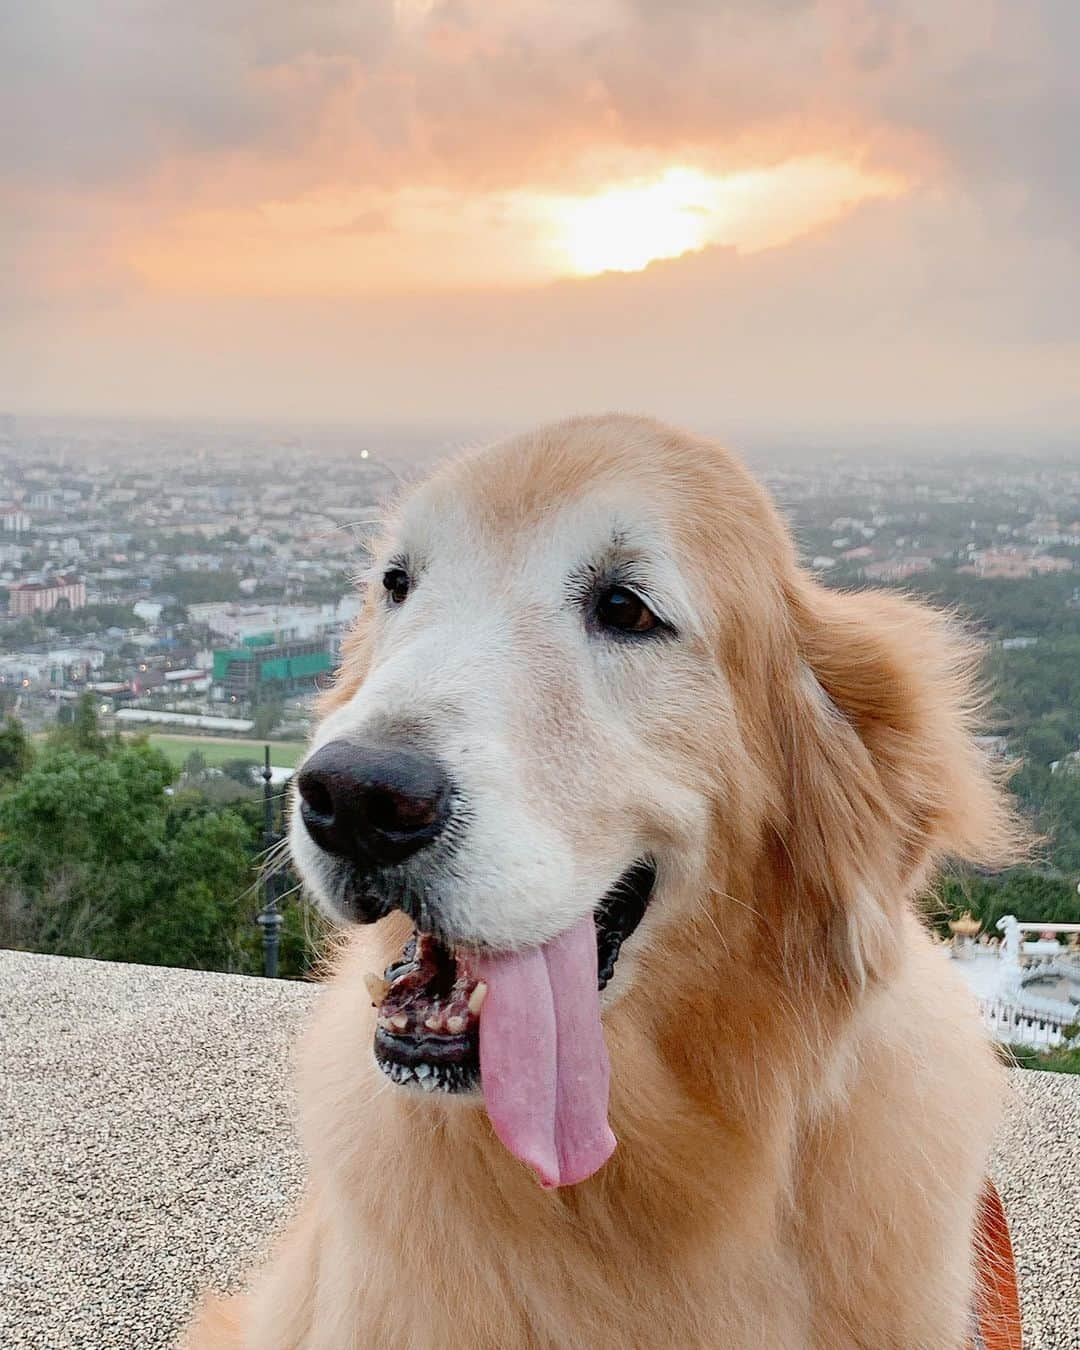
[(268, 664)]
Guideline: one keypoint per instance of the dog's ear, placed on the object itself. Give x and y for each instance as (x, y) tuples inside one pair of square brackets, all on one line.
[(884, 775)]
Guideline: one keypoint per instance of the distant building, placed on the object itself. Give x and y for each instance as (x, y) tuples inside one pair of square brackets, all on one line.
[(267, 663), (1015, 563), (50, 670), (239, 622), (15, 522), (226, 726), (39, 597), (897, 569), (148, 610)]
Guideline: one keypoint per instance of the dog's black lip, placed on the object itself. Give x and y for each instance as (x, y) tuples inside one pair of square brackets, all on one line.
[(413, 1050), (619, 913)]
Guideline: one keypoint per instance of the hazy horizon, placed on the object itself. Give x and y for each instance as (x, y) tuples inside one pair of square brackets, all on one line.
[(786, 224), (425, 442)]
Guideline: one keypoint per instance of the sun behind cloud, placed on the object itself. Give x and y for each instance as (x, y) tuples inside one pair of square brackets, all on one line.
[(354, 241), (626, 227)]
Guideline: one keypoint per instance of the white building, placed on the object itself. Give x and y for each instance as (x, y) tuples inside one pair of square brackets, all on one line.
[(148, 610), (292, 622)]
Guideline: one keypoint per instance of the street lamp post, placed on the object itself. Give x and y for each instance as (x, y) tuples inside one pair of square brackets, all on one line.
[(269, 917)]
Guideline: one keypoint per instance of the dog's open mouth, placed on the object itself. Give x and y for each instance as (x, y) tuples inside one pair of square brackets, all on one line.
[(429, 1000)]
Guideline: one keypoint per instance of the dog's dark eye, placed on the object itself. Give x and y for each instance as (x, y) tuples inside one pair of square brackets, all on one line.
[(622, 610), (396, 583)]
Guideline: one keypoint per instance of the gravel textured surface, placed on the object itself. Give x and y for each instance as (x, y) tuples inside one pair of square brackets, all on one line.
[(146, 1152), (145, 1144), (1037, 1168)]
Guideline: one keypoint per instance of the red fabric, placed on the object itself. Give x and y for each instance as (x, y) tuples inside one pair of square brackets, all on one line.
[(997, 1303)]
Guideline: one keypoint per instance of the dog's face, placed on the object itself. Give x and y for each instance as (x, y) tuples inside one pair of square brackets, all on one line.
[(540, 640), (590, 680), (539, 718)]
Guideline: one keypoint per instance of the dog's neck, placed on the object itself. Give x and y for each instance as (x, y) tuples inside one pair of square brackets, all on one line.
[(468, 1212)]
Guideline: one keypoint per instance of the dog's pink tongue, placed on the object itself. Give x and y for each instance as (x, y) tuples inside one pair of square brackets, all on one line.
[(543, 1061)]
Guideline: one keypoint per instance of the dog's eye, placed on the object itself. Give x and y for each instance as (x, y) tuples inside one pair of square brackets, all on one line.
[(622, 610), (396, 584)]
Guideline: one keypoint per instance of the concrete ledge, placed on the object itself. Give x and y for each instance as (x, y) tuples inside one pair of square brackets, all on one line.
[(146, 1152)]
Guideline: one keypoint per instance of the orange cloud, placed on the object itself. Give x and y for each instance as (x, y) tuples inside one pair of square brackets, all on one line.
[(347, 242), (399, 163)]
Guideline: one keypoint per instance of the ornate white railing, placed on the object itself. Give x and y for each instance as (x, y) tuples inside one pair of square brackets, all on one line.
[(1017, 1024)]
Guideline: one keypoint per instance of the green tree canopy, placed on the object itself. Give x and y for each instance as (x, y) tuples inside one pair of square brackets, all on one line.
[(16, 752), (99, 858)]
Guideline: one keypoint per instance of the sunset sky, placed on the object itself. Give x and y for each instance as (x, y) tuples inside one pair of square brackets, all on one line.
[(779, 217)]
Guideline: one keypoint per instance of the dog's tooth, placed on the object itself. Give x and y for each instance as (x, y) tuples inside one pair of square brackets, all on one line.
[(400, 1021), (433, 1022), (377, 987), (476, 998), (455, 1025), (422, 1070)]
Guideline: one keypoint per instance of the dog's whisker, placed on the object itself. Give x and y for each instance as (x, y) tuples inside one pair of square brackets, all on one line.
[(713, 924), (724, 895)]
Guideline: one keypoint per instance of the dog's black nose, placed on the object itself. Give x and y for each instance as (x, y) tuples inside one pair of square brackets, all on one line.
[(373, 804)]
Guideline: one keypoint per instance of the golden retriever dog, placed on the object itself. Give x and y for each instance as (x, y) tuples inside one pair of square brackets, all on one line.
[(635, 1037)]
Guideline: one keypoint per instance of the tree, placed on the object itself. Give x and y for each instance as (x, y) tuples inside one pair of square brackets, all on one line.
[(267, 715), (240, 771), (86, 727), (195, 766), (189, 588), (1051, 737), (206, 919), (1034, 897), (16, 752), (1061, 817), (82, 843), (77, 725), (98, 859)]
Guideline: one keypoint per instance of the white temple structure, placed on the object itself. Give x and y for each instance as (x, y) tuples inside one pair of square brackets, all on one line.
[(1028, 984)]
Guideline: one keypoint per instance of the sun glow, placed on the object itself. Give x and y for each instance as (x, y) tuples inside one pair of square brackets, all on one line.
[(625, 228), (357, 241)]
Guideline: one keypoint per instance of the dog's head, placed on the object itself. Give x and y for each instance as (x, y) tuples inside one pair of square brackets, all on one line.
[(589, 679)]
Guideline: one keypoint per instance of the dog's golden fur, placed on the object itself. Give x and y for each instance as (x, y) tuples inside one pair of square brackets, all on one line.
[(801, 1092)]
